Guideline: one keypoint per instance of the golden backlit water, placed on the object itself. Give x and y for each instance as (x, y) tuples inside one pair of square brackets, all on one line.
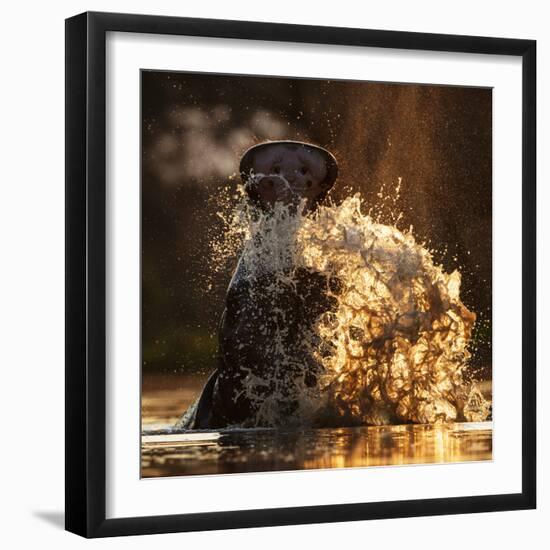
[(389, 341), (169, 453)]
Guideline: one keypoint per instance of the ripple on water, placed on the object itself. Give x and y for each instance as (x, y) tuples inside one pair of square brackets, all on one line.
[(166, 453)]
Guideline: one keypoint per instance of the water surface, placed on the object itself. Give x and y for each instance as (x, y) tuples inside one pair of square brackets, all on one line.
[(166, 452), (170, 454)]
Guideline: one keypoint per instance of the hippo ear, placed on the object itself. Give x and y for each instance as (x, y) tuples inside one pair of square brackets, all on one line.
[(246, 165), (246, 172), (332, 170)]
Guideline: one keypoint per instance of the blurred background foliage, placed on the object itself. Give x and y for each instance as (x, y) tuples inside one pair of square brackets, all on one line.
[(195, 127)]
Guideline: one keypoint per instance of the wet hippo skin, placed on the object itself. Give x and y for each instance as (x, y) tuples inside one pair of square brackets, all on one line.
[(244, 349), (267, 313)]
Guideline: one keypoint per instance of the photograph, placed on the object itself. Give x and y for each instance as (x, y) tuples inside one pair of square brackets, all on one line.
[(274, 275), (316, 273)]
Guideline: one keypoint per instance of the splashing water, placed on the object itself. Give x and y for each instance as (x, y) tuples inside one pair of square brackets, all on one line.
[(393, 345)]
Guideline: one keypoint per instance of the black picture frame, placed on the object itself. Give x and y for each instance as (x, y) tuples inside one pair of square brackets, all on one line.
[(86, 278)]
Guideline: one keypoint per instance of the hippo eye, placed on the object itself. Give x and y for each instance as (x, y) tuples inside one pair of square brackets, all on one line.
[(309, 183), (277, 169), (303, 170)]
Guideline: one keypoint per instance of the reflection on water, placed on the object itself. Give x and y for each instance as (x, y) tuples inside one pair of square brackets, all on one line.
[(169, 453), (166, 453)]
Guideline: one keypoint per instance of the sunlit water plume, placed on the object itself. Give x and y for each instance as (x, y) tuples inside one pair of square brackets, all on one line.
[(393, 347)]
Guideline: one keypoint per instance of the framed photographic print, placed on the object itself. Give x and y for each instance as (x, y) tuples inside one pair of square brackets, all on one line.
[(300, 274)]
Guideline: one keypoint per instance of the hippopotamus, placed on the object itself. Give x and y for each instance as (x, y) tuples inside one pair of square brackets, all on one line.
[(263, 334)]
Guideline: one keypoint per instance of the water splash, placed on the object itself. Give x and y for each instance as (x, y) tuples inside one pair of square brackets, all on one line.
[(393, 345), (476, 407)]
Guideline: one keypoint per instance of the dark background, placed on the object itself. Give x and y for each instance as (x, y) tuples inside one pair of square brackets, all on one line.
[(438, 139)]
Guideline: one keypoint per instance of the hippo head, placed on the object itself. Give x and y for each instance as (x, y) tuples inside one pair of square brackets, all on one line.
[(288, 172)]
